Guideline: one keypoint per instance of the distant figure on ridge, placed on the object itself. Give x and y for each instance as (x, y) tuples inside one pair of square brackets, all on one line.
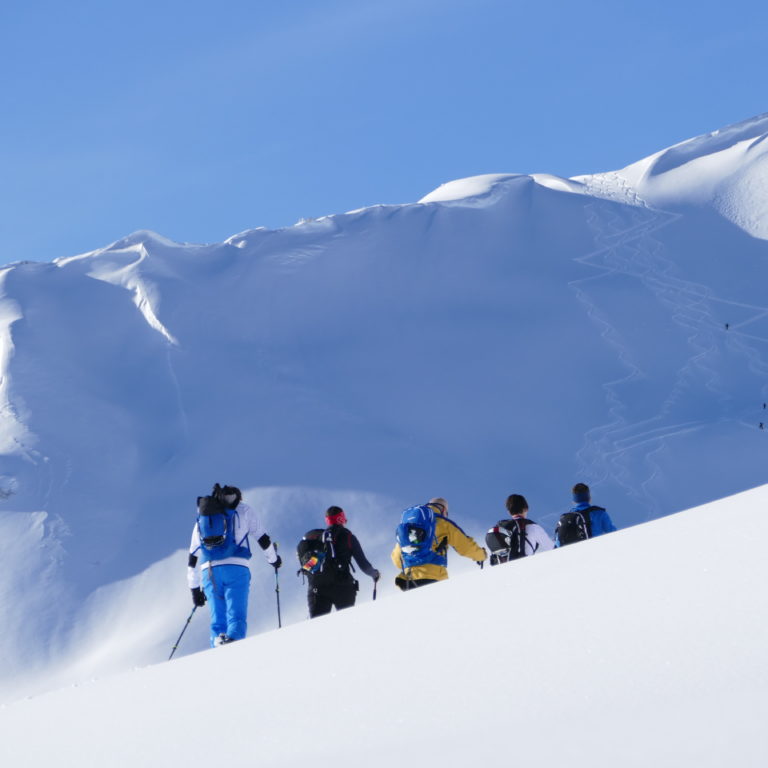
[(518, 537), (326, 557), (221, 537), (583, 521), (423, 538)]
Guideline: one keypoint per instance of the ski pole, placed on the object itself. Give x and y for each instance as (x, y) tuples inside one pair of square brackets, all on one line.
[(173, 650), (375, 584), (277, 595)]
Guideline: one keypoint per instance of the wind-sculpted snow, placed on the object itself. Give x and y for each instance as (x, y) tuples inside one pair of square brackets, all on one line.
[(753, 131), (725, 170), (533, 333)]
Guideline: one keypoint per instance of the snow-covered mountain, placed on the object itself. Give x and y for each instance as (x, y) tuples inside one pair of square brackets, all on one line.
[(642, 648), (504, 334)]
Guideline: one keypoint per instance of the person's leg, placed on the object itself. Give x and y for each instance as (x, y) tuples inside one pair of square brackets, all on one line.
[(237, 587), (344, 595), (318, 601), (214, 594)]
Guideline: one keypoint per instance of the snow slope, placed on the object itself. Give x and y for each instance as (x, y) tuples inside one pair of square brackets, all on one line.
[(508, 333), (639, 648)]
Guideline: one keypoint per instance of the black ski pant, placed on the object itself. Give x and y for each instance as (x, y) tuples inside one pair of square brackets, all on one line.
[(339, 596), (406, 584)]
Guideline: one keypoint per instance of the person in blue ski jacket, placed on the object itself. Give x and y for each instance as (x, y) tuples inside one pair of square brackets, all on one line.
[(225, 575), (597, 519)]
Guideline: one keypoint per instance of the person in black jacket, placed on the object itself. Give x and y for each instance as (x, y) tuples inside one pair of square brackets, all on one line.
[(333, 585)]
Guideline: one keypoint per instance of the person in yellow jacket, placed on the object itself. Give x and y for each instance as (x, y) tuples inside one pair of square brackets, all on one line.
[(421, 552)]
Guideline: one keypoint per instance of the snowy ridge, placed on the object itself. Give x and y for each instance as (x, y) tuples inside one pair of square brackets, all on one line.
[(725, 169), (508, 333), (13, 434), (643, 632)]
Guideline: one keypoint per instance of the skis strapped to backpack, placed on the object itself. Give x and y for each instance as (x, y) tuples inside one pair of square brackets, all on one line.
[(574, 526), (506, 540)]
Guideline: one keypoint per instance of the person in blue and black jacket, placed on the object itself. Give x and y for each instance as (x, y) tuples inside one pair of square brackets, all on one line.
[(584, 520)]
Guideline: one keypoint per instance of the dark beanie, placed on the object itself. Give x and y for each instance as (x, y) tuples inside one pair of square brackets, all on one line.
[(581, 493), (516, 504)]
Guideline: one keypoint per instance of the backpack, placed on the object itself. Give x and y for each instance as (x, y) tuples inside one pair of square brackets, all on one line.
[(506, 540), (574, 526), (216, 526), (325, 556), (417, 540)]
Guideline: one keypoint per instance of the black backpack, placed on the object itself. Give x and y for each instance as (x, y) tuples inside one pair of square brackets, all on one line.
[(574, 526), (506, 540), (325, 556)]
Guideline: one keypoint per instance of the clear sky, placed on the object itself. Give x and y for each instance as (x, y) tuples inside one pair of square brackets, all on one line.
[(200, 119)]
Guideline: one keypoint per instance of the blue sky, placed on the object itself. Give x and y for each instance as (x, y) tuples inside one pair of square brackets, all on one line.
[(199, 120)]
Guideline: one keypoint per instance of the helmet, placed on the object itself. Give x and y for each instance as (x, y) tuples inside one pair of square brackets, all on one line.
[(229, 495)]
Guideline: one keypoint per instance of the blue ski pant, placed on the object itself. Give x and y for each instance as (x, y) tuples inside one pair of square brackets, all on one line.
[(226, 590)]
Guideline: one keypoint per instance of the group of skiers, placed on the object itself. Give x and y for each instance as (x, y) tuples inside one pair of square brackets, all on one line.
[(219, 574)]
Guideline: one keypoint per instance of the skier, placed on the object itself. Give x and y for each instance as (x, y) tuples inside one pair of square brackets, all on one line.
[(583, 521), (518, 537), (326, 558), (423, 537), (221, 547)]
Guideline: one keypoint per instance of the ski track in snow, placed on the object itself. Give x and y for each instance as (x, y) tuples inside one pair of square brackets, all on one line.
[(634, 251)]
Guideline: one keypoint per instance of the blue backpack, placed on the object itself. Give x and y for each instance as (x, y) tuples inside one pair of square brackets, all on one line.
[(216, 526), (417, 540)]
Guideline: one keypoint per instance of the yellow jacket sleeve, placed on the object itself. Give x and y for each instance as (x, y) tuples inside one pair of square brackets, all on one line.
[(397, 557), (463, 544)]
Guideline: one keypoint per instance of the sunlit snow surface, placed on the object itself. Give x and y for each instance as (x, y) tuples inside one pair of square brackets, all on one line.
[(508, 333), (641, 648)]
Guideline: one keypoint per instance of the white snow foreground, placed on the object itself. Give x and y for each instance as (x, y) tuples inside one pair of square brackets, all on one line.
[(509, 333), (640, 648)]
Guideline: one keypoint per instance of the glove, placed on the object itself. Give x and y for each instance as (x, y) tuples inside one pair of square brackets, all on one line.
[(277, 562), (376, 575), (198, 597)]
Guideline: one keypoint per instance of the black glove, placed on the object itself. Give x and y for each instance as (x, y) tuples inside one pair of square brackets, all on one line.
[(198, 597), (376, 575), (277, 562)]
